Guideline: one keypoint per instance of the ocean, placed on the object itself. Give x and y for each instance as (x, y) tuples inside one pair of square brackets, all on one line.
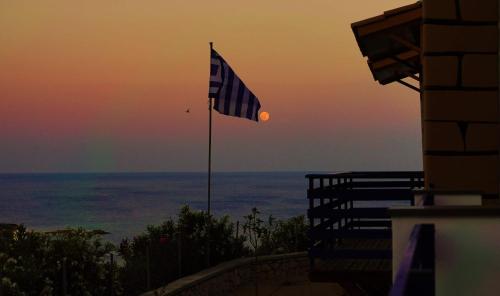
[(125, 203)]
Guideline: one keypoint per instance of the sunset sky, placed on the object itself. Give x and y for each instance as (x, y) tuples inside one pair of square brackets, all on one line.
[(102, 86)]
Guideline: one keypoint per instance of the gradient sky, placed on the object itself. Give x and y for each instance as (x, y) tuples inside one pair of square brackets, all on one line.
[(101, 85)]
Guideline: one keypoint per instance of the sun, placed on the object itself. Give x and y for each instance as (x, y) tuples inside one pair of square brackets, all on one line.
[(264, 116)]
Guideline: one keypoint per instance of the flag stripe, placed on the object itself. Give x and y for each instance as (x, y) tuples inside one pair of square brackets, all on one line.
[(239, 99), (255, 111), (213, 69), (244, 103), (219, 101), (250, 106), (229, 90), (234, 94)]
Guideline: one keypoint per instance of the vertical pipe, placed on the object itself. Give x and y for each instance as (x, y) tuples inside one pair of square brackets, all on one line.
[(422, 93), (207, 259), (256, 279), (111, 275), (296, 237), (64, 278), (148, 268), (179, 254), (498, 94)]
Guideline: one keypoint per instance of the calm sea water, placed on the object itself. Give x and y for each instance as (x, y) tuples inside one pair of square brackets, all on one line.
[(125, 203)]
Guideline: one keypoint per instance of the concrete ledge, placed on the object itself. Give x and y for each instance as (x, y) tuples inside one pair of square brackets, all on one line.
[(446, 211), (214, 276)]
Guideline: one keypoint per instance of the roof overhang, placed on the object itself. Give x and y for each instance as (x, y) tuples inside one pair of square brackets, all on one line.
[(391, 42)]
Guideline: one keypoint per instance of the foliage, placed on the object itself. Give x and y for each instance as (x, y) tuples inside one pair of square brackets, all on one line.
[(285, 236), (255, 229), (275, 236), (32, 263), (178, 248)]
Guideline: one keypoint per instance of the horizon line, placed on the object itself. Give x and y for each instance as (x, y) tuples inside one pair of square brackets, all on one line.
[(155, 172)]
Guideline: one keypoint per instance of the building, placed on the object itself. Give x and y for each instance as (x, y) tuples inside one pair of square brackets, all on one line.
[(453, 48), (443, 224)]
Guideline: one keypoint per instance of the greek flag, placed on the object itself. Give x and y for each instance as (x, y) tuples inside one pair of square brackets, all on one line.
[(231, 95)]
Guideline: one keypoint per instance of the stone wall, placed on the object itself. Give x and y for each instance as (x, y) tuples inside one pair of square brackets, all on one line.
[(225, 278), (460, 100)]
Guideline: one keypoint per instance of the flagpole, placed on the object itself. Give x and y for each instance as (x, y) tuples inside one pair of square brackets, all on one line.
[(209, 225)]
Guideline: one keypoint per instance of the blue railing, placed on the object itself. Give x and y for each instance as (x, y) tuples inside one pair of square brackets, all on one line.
[(354, 205), (416, 272)]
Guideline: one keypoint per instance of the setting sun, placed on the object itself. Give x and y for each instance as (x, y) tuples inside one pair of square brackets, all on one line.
[(264, 116)]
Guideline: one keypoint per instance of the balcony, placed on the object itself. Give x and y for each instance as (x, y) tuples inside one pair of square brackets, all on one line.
[(350, 226)]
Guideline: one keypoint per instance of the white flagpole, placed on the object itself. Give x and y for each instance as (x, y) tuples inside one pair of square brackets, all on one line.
[(209, 172)]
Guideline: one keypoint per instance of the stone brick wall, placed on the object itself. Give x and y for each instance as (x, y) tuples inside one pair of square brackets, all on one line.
[(226, 278), (460, 99)]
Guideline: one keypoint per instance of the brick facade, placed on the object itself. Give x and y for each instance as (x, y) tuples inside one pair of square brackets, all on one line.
[(460, 99)]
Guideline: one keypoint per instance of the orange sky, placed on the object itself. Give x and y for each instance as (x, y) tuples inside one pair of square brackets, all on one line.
[(103, 85)]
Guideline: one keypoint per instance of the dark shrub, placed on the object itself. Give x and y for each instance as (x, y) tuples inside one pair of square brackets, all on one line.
[(32, 263), (177, 248)]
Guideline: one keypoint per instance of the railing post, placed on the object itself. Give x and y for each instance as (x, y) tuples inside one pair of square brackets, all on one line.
[(335, 209), (330, 199), (321, 198), (331, 187), (339, 204), (311, 221)]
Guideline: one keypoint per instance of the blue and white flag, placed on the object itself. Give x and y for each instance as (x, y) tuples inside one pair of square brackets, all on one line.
[(231, 95)]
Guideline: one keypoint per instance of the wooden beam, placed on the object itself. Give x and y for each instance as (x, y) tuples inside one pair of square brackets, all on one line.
[(408, 85), (405, 43), (406, 63), (413, 76)]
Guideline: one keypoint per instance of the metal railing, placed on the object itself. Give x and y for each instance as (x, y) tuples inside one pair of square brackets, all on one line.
[(416, 273), (354, 205)]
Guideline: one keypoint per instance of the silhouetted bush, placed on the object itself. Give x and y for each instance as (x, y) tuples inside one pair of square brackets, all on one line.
[(275, 236), (33, 263), (177, 248), (285, 236)]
